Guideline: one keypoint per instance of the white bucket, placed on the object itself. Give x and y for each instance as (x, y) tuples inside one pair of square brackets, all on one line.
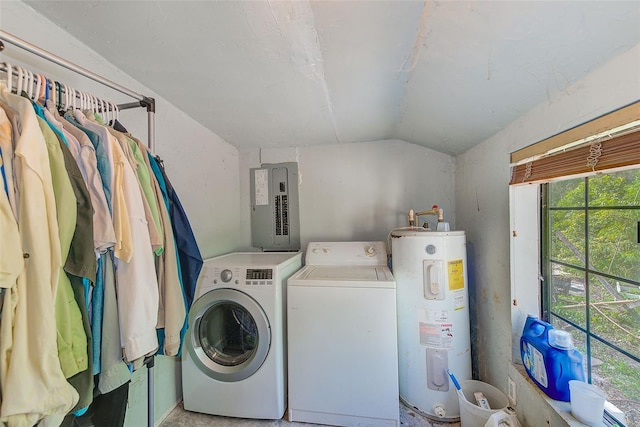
[(587, 403), (471, 415)]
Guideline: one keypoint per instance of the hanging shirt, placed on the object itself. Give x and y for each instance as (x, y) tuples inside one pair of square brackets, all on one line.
[(34, 388), (11, 266), (72, 341), (103, 234), (136, 282), (102, 160), (114, 371), (123, 248), (188, 251), (5, 136), (136, 159), (6, 146), (172, 311), (81, 270), (97, 309)]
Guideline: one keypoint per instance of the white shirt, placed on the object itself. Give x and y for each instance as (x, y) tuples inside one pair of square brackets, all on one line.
[(34, 388)]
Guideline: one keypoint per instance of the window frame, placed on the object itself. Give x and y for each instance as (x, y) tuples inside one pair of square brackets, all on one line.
[(546, 261), (545, 237)]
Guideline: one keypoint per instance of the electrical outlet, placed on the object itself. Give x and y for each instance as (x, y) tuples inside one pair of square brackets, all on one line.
[(512, 391)]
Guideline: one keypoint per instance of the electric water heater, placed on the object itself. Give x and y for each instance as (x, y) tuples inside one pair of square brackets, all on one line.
[(430, 268)]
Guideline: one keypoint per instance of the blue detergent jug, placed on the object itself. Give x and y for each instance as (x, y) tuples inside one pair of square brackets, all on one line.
[(549, 358)]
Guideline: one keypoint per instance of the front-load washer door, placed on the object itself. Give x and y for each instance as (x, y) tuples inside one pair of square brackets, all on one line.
[(229, 335)]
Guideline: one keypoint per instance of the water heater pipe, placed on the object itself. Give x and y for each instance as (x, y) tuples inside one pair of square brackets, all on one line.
[(435, 210)]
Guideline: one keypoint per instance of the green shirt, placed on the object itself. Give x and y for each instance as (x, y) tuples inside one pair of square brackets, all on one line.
[(72, 340)]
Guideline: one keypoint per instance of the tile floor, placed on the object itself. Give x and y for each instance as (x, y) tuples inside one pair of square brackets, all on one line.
[(181, 418)]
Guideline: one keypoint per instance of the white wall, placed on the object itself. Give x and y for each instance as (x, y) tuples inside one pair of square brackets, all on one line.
[(203, 168), (359, 191), (482, 206)]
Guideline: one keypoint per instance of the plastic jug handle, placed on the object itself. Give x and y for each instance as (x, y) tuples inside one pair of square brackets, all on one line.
[(539, 328)]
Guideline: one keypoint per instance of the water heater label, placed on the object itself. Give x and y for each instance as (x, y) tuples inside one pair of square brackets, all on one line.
[(262, 187), (458, 301), (456, 275), (436, 335), (433, 316)]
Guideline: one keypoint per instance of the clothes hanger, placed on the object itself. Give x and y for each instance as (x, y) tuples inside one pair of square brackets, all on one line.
[(29, 84), (38, 83), (103, 110), (19, 81), (44, 90), (25, 81), (72, 97), (58, 93), (9, 76), (63, 101), (94, 104), (112, 111), (35, 88), (107, 112), (99, 108)]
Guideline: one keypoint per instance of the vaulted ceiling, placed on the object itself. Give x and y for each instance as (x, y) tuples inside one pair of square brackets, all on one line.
[(442, 74)]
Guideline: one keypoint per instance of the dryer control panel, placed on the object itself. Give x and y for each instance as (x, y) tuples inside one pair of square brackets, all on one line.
[(242, 276), (262, 276), (248, 271)]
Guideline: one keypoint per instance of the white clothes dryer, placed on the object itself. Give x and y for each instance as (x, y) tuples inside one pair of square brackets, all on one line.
[(342, 337), (234, 361)]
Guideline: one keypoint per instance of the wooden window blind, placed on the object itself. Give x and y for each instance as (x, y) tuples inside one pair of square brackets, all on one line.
[(615, 144)]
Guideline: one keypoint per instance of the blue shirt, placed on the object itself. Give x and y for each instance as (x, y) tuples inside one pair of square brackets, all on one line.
[(104, 167)]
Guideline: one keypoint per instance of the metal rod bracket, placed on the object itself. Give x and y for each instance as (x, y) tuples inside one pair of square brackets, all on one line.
[(149, 103)]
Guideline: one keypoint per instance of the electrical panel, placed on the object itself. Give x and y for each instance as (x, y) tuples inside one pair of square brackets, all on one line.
[(275, 219)]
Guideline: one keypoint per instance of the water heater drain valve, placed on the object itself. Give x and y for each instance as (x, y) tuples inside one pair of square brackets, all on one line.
[(440, 410)]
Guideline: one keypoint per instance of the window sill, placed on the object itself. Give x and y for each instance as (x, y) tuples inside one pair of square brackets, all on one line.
[(562, 409)]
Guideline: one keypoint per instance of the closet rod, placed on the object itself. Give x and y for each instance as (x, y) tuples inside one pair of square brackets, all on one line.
[(145, 101)]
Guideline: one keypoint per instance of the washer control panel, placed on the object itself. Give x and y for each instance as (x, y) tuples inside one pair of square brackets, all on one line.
[(346, 253)]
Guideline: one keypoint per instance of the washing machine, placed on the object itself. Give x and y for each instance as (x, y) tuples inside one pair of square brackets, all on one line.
[(342, 337), (234, 361)]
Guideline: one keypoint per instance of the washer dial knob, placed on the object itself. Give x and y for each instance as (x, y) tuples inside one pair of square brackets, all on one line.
[(226, 275)]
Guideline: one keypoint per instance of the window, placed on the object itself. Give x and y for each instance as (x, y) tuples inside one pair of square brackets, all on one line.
[(590, 262), (575, 249)]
